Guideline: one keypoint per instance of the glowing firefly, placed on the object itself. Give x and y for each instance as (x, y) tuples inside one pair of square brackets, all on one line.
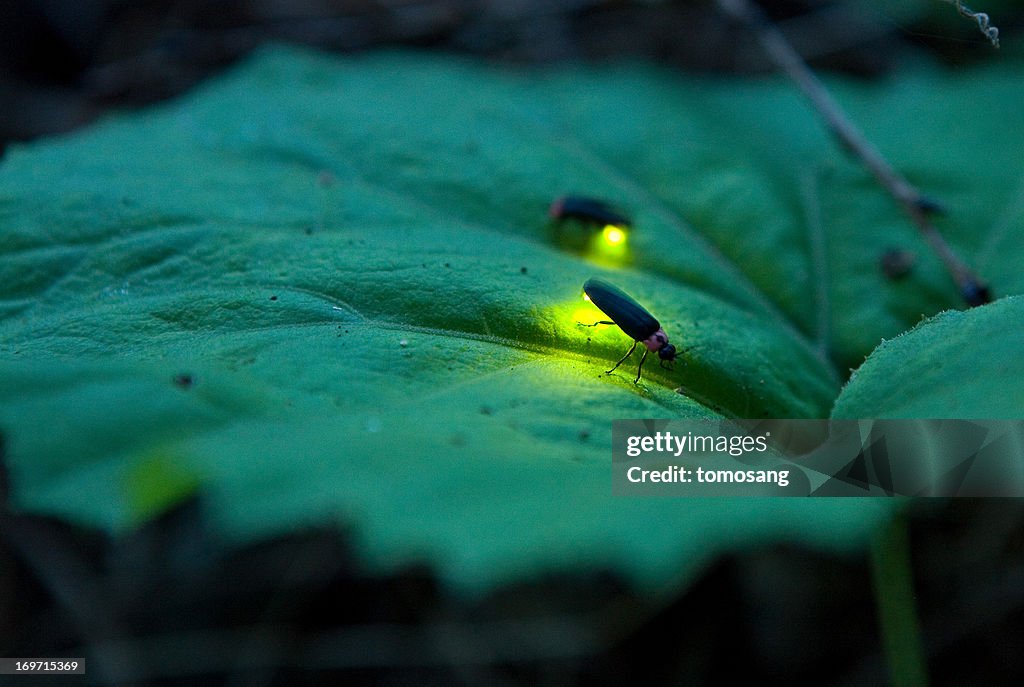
[(633, 319)]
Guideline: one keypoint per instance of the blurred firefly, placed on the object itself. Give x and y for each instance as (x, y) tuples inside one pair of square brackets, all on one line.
[(588, 210), (633, 319), (592, 212)]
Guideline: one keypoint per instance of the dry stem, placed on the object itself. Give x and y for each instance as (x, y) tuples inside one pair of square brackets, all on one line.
[(917, 205)]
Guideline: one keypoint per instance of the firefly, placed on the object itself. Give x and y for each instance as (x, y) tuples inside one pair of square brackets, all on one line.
[(633, 319), (589, 210)]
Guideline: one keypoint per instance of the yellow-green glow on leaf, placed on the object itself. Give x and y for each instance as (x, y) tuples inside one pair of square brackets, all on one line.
[(586, 316), (609, 246), (155, 485)]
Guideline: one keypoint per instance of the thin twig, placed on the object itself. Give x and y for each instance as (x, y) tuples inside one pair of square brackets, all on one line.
[(917, 205), (991, 32)]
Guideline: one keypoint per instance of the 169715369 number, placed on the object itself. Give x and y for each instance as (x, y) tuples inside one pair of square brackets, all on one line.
[(37, 666)]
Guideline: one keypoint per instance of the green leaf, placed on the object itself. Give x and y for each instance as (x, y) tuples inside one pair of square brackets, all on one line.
[(955, 365), (323, 289)]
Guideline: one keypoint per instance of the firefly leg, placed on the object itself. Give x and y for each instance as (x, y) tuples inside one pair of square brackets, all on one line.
[(623, 359), (642, 359), (595, 324)]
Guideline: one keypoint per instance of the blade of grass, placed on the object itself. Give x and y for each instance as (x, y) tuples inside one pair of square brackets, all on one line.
[(894, 598)]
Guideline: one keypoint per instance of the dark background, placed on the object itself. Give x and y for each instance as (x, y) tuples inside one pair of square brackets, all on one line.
[(64, 62), (162, 606)]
